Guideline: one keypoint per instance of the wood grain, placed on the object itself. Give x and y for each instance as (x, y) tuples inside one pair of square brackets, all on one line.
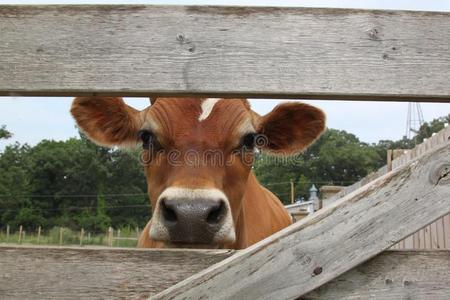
[(224, 51), (332, 241), (100, 273), (392, 275)]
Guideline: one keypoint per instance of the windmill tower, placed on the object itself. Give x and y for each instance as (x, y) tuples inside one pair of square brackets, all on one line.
[(414, 119)]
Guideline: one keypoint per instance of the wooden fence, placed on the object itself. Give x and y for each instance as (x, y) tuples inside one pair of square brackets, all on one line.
[(110, 238), (437, 234), (83, 273), (251, 52), (433, 236), (38, 272), (138, 50)]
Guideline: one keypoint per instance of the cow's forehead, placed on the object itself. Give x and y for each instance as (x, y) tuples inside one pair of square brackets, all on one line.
[(184, 120)]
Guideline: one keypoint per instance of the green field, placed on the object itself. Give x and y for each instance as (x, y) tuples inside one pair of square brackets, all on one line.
[(127, 237)]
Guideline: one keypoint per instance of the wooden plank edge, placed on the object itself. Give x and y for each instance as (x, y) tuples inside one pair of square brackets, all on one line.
[(226, 94), (15, 247)]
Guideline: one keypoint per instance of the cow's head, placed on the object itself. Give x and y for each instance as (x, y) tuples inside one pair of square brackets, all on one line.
[(197, 155)]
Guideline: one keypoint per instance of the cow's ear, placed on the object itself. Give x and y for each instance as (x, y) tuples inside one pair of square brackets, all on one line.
[(291, 127), (107, 121)]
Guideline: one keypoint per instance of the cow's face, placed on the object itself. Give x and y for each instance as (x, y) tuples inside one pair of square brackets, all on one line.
[(197, 155)]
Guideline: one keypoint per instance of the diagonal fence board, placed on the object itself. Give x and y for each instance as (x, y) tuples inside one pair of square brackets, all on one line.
[(433, 236), (224, 51), (392, 275), (101, 273), (332, 241)]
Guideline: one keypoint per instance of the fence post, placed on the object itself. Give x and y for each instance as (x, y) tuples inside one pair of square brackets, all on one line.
[(39, 234), (118, 237), (292, 191), (23, 236), (110, 236), (20, 234), (81, 236), (389, 157), (7, 233), (60, 236), (137, 231), (89, 237)]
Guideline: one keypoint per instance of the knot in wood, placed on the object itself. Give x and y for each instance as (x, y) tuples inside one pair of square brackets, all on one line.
[(440, 173), (373, 34), (180, 38), (317, 271)]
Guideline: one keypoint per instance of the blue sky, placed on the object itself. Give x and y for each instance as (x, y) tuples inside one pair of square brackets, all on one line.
[(33, 119)]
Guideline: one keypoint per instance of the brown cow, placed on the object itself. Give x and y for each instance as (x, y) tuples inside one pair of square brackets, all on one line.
[(197, 156)]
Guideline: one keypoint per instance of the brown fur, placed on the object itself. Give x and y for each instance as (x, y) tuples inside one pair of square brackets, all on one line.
[(256, 212), (281, 123)]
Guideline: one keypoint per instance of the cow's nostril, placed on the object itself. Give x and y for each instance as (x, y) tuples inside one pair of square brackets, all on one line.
[(168, 213), (216, 213)]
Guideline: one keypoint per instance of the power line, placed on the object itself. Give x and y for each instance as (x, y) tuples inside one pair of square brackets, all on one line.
[(80, 207), (71, 195), (144, 194)]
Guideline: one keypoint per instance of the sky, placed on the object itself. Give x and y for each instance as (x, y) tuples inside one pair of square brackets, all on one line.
[(32, 119)]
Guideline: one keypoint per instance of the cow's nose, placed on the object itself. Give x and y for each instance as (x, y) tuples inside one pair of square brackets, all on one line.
[(192, 220)]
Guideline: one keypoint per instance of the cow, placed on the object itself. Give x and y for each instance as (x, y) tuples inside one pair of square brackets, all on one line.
[(197, 155)]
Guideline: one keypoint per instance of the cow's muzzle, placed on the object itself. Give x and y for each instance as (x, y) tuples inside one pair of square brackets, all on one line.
[(193, 216)]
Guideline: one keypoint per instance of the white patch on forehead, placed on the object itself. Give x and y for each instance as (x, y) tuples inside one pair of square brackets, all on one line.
[(207, 107), (150, 125)]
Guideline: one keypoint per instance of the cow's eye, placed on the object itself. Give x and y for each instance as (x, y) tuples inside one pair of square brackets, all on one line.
[(148, 139), (248, 141)]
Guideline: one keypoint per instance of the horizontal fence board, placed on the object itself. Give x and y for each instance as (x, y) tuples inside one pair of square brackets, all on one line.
[(392, 275), (333, 240), (96, 273), (312, 53)]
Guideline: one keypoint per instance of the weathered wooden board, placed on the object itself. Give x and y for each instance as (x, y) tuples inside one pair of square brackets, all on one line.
[(392, 275), (227, 51), (100, 273), (439, 236), (330, 242)]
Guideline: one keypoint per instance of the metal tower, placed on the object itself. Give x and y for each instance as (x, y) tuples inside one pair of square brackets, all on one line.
[(414, 119)]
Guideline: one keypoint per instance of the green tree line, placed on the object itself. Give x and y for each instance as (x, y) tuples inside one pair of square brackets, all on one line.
[(71, 183), (75, 183)]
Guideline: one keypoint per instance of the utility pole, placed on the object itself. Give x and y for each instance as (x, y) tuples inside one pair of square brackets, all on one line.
[(292, 191)]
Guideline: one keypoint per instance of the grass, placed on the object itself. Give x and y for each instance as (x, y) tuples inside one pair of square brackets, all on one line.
[(70, 238)]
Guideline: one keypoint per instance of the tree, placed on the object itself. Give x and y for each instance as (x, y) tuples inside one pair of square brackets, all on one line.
[(71, 183), (15, 186), (338, 157), (427, 129), (96, 220), (4, 134)]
